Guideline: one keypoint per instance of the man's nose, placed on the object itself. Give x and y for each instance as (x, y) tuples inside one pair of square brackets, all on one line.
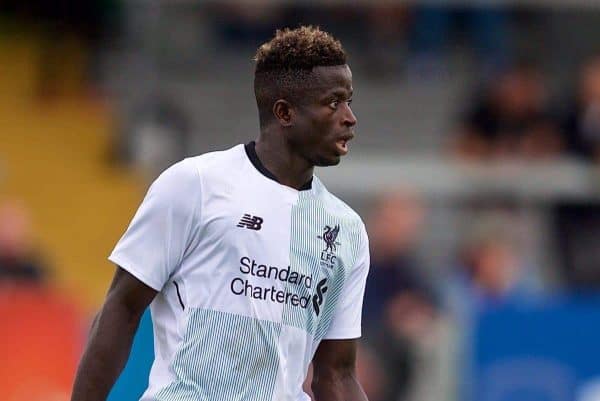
[(349, 117)]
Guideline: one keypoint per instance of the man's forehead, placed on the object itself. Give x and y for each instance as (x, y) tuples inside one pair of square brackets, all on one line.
[(333, 76)]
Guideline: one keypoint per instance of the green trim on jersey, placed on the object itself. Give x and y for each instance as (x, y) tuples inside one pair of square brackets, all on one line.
[(224, 357), (309, 218)]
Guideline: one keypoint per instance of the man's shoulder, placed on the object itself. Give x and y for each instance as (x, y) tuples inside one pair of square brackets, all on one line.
[(335, 205), (218, 159), (186, 173)]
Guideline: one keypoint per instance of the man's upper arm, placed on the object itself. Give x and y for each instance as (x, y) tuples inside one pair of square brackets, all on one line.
[(334, 377), (335, 357), (130, 292)]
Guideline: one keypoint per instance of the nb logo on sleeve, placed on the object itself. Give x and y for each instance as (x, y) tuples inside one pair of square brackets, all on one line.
[(250, 222)]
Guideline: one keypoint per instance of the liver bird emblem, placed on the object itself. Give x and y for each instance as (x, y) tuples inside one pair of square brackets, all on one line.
[(329, 236)]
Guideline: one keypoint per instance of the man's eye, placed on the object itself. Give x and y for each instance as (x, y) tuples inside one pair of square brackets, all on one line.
[(334, 104)]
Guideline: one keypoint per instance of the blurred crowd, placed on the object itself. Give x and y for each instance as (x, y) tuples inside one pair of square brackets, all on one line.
[(511, 113), (513, 116), (417, 324)]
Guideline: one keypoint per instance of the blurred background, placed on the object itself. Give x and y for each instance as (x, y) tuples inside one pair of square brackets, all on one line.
[(475, 168)]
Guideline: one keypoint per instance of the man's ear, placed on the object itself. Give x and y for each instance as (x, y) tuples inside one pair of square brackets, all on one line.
[(283, 112)]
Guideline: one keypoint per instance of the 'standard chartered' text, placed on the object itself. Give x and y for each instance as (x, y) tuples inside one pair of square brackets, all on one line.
[(295, 297)]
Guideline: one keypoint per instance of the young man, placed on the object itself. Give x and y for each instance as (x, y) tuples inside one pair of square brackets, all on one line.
[(251, 267)]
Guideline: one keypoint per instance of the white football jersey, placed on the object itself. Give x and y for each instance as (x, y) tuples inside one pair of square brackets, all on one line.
[(251, 275)]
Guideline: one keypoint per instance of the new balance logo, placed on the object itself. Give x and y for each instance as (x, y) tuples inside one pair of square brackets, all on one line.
[(250, 222)]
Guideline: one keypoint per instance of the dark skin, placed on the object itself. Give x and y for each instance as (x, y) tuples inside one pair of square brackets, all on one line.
[(298, 138), (111, 337), (334, 375)]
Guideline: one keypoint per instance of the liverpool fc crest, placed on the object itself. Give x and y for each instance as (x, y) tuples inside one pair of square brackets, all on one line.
[(329, 236), (328, 257)]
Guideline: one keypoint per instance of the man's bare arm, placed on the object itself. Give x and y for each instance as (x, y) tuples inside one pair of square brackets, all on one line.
[(111, 337), (334, 376)]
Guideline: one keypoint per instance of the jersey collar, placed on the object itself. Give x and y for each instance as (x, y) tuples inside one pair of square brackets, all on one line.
[(250, 148)]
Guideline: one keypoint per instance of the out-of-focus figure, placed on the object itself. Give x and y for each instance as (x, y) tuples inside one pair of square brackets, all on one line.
[(491, 268), (402, 319), (581, 125), (419, 328), (394, 228), (155, 136), (43, 331), (491, 272), (509, 119), (18, 261)]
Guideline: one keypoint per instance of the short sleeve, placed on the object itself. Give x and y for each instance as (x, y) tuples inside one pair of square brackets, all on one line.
[(346, 323), (155, 242)]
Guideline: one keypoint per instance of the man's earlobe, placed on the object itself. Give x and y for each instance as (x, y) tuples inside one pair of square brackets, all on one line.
[(283, 112)]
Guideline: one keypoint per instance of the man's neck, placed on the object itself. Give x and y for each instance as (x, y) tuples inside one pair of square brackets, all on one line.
[(289, 168)]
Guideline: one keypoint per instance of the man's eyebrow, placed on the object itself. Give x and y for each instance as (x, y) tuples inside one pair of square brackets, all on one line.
[(339, 93)]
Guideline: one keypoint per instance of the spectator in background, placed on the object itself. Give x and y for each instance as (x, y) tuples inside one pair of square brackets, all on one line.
[(407, 344), (42, 333), (509, 119), (401, 318), (491, 272), (581, 125), (18, 263), (154, 135), (491, 269), (394, 226)]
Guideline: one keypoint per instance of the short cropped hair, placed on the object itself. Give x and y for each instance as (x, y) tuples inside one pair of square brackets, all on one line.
[(284, 65)]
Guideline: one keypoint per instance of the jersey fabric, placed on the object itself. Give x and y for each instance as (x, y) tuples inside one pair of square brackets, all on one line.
[(251, 275)]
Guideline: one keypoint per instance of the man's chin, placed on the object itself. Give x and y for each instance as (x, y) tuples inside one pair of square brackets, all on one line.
[(327, 162)]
